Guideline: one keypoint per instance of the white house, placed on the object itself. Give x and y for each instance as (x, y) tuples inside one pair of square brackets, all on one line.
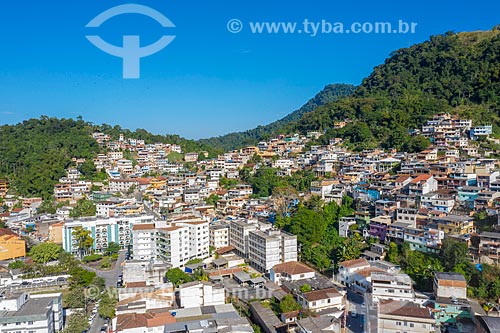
[(321, 299), (200, 293), (291, 271)]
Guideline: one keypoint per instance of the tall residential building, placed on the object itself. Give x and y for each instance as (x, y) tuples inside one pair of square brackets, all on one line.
[(238, 234), (172, 245), (103, 231), (143, 241), (271, 247), (180, 240), (219, 235), (262, 245)]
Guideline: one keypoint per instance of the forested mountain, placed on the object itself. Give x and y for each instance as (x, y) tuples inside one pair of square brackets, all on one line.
[(456, 73), (35, 153), (330, 93)]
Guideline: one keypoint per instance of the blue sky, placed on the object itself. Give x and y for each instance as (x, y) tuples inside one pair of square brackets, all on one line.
[(208, 81)]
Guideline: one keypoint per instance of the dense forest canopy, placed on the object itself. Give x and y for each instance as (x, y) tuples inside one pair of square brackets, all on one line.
[(35, 153)]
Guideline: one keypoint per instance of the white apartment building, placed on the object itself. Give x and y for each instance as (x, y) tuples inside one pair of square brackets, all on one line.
[(271, 247), (143, 241), (121, 185), (199, 293), (238, 234), (115, 155), (407, 215), (103, 231), (387, 286), (262, 245), (182, 240), (172, 245), (219, 235), (32, 314), (125, 166)]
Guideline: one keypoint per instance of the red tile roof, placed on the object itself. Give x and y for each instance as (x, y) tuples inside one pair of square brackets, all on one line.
[(147, 226), (292, 268), (148, 319), (421, 178), (354, 263)]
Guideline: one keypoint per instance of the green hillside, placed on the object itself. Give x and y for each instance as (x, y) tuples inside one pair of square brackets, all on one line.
[(456, 73), (35, 153)]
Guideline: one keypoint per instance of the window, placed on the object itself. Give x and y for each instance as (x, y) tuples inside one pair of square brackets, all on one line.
[(412, 325), (398, 323), (30, 323)]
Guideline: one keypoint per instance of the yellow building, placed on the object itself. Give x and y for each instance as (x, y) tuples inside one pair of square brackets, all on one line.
[(11, 245), (55, 233), (4, 187)]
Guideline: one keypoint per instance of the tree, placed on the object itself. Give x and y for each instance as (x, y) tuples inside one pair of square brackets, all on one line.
[(289, 304), (107, 305), (83, 240), (47, 207), (83, 208), (88, 169), (453, 253), (18, 264), (308, 225), (177, 276), (350, 249), (81, 277), (105, 263), (77, 323), (392, 254), (45, 252), (174, 157), (212, 199), (112, 248), (74, 299), (305, 288)]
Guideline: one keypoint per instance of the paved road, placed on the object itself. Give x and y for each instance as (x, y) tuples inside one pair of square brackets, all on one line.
[(355, 301), (110, 276)]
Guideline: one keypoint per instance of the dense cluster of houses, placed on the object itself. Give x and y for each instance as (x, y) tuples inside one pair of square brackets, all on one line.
[(171, 213)]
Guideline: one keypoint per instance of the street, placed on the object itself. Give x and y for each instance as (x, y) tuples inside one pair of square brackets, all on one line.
[(355, 323), (110, 277)]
